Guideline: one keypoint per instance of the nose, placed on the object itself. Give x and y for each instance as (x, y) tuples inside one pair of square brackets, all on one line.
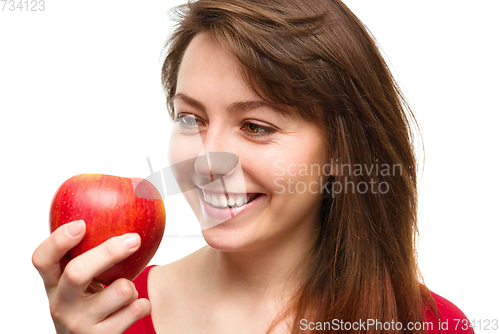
[(213, 164), (216, 159)]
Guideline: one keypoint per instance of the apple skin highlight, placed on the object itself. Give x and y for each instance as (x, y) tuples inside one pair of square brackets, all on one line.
[(110, 207)]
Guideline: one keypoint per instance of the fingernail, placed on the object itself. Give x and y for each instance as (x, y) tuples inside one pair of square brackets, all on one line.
[(132, 241), (76, 228)]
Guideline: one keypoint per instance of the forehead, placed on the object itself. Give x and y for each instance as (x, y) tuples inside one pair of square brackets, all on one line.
[(211, 74), (209, 69)]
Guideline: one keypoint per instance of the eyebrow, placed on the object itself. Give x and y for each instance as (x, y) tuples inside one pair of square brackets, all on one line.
[(235, 106)]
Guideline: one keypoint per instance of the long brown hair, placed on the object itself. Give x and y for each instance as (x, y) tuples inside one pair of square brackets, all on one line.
[(319, 58)]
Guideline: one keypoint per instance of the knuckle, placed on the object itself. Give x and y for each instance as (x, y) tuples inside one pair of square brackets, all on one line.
[(75, 326), (55, 311), (58, 311), (136, 309), (63, 317), (39, 257), (125, 289), (74, 274), (37, 260)]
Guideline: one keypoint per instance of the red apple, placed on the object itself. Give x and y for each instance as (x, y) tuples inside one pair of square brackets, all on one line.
[(110, 206)]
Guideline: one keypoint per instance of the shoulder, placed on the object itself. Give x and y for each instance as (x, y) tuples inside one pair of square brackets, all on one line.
[(158, 282), (177, 273), (451, 318), (141, 282), (172, 289)]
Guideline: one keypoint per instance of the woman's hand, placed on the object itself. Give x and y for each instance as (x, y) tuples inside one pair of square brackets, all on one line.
[(73, 308)]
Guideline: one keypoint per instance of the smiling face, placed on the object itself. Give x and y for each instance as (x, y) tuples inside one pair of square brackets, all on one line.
[(217, 112)]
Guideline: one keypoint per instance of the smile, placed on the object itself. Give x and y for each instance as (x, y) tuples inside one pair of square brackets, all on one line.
[(229, 200), (225, 206)]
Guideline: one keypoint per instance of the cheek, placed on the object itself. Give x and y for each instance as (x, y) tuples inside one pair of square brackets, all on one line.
[(183, 148), (303, 170), (281, 171), (182, 154)]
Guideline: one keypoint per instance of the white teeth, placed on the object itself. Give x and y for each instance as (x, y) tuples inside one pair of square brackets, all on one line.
[(215, 200), (222, 201)]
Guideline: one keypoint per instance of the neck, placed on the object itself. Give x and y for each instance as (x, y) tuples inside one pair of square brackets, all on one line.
[(272, 270)]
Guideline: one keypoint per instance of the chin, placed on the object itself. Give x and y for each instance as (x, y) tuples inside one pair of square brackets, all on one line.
[(226, 239)]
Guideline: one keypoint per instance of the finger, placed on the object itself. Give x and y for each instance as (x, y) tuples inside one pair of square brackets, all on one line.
[(120, 293), (125, 317), (48, 254), (80, 271)]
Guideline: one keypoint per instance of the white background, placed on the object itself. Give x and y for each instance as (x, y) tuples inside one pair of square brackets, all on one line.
[(80, 92)]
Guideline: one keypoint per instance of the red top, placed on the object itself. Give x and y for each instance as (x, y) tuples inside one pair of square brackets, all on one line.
[(452, 319), (144, 325)]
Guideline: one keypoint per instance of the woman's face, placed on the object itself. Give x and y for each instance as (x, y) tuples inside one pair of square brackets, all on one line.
[(279, 156)]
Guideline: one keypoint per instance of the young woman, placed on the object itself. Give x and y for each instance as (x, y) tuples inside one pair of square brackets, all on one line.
[(322, 237)]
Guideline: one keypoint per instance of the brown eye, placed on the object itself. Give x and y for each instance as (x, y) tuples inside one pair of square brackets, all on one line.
[(252, 128)]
